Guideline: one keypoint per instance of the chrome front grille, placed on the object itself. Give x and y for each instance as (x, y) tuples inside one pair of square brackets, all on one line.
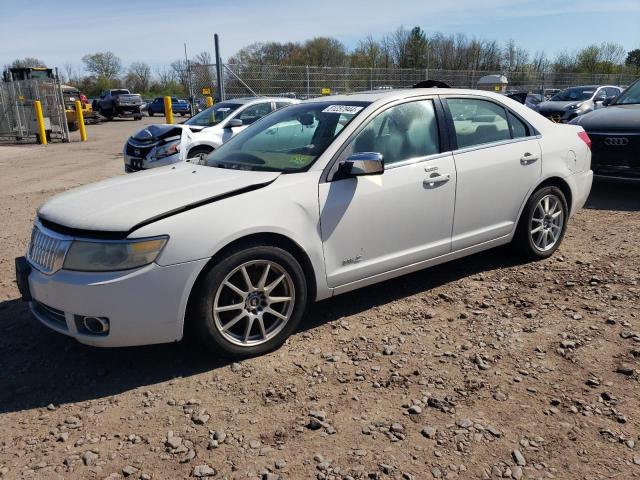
[(46, 252)]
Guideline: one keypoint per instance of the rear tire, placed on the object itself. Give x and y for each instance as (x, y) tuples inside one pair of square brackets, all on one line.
[(150, 113), (242, 316), (542, 224)]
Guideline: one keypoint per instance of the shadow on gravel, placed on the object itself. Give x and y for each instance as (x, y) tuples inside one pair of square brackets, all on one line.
[(606, 195), (39, 366)]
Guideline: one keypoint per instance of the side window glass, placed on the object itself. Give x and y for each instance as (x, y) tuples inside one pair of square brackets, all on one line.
[(402, 132), (254, 112), (280, 105), (518, 127), (612, 92), (477, 122)]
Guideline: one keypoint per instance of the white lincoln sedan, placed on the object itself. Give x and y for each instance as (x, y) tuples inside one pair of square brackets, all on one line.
[(314, 200)]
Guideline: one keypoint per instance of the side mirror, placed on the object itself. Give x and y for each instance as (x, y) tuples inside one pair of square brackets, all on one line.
[(359, 164), (608, 101), (234, 122)]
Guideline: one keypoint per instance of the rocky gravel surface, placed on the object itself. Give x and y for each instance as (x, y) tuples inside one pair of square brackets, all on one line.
[(483, 368)]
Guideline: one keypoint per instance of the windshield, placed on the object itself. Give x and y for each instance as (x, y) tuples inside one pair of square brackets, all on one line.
[(213, 115), (119, 92), (630, 95), (288, 140), (573, 94)]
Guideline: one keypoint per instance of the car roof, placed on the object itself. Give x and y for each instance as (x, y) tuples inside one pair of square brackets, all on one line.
[(400, 93), (245, 100)]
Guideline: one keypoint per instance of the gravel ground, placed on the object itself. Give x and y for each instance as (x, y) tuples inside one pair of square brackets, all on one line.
[(482, 368)]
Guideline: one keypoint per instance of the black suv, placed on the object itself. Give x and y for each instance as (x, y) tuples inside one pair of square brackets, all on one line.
[(615, 135)]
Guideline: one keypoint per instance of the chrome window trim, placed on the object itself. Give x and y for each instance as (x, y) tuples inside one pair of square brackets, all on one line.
[(414, 160), (495, 144)]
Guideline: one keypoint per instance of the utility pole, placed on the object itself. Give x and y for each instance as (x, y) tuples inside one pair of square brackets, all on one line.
[(219, 70), (189, 83)]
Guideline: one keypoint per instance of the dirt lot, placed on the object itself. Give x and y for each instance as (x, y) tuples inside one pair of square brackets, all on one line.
[(482, 368)]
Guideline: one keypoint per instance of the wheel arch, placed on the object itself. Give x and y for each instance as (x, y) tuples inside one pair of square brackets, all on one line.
[(552, 181), (560, 183), (202, 146), (262, 239)]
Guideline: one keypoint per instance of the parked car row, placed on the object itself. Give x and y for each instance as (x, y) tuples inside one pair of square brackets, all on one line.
[(609, 115)]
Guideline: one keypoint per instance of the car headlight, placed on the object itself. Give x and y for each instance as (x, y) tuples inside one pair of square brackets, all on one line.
[(107, 256), (575, 106), (167, 150)]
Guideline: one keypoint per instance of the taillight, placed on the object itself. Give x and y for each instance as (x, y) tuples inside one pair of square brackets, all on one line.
[(585, 138)]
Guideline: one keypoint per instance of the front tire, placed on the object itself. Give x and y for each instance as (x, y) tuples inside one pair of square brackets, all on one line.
[(250, 302), (542, 224)]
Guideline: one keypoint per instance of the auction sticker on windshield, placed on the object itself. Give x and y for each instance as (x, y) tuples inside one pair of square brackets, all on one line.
[(342, 109)]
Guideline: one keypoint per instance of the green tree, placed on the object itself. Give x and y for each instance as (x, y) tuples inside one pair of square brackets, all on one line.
[(417, 49), (324, 51), (633, 59), (105, 65), (27, 62)]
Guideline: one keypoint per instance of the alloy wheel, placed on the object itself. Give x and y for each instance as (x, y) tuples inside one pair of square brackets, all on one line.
[(547, 222), (254, 302)]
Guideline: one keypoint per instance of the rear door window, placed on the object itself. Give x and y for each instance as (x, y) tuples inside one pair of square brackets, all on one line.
[(478, 122), (519, 129)]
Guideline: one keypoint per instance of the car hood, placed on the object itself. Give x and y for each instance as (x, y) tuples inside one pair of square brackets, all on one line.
[(614, 118), (125, 203), (549, 105)]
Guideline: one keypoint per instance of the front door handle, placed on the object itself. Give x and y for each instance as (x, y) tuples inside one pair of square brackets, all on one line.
[(528, 158), (436, 179)]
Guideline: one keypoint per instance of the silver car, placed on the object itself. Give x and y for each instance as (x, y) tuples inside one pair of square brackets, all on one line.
[(572, 102)]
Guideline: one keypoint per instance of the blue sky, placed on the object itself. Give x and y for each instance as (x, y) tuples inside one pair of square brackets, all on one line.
[(62, 31)]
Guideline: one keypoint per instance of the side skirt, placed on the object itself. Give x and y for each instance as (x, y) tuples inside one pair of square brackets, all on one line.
[(422, 265)]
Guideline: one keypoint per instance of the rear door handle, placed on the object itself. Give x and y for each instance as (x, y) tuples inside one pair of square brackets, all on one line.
[(528, 158), (436, 179)]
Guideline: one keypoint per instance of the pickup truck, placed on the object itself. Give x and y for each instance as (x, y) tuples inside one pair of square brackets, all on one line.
[(118, 102)]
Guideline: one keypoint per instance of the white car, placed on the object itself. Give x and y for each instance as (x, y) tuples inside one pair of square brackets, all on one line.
[(314, 200), (160, 145)]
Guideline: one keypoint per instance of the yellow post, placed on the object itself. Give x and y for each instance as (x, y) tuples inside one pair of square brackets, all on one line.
[(209, 101), (80, 120), (40, 118), (168, 111)]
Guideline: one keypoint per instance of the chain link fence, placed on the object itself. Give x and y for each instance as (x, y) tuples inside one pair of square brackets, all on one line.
[(306, 81), (17, 112)]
